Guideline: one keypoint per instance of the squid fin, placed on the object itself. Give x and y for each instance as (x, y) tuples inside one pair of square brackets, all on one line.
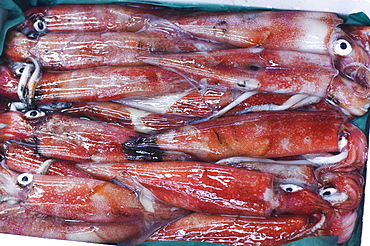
[(143, 148)]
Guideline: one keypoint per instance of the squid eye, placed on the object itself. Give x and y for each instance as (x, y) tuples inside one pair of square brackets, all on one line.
[(327, 192), (18, 70), (342, 47), (24, 179), (39, 26), (290, 187), (332, 195), (34, 114)]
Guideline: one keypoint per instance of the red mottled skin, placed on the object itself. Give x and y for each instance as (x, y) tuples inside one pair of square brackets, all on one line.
[(84, 199), (97, 84), (212, 188), (273, 134), (66, 137), (15, 127), (139, 120), (108, 83), (273, 29), (77, 139), (19, 221), (72, 198), (22, 157), (68, 51), (90, 17), (316, 32), (233, 230), (8, 83), (253, 69)]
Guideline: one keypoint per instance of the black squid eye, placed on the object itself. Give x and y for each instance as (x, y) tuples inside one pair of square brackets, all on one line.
[(332, 195), (342, 47), (39, 26), (34, 114), (18, 70), (290, 187), (24, 179)]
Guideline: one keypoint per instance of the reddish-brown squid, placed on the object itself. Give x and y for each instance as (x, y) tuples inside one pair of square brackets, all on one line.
[(82, 199), (217, 190), (267, 135), (268, 70), (69, 51), (89, 85)]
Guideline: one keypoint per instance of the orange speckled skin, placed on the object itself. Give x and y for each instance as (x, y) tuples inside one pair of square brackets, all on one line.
[(98, 84), (266, 28), (196, 186), (215, 189), (82, 199), (69, 51), (22, 157), (75, 139), (234, 230), (275, 134), (89, 17)]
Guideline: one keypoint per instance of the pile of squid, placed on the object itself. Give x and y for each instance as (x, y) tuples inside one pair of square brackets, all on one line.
[(133, 123)]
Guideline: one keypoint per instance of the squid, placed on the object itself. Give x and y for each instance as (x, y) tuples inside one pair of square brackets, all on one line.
[(313, 32), (70, 138), (154, 120), (22, 157), (265, 135), (214, 190), (191, 103), (298, 30), (265, 70), (93, 200), (138, 120), (234, 230), (88, 18), (17, 220), (95, 84), (67, 138), (144, 87), (213, 103), (71, 51), (85, 199)]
